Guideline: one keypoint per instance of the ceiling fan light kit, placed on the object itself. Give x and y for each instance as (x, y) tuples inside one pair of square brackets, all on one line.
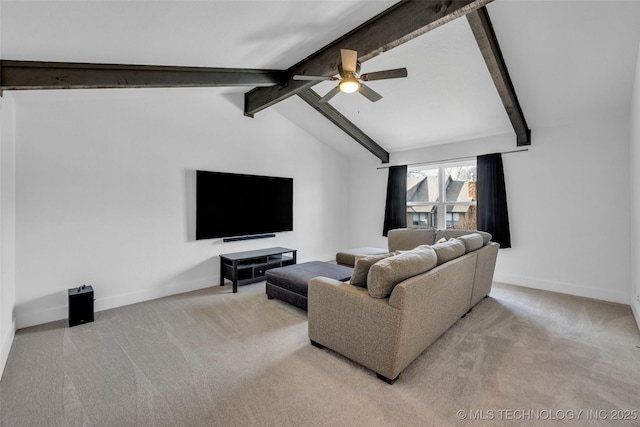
[(350, 77), (349, 84)]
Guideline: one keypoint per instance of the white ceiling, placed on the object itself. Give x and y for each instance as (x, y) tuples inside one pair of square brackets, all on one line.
[(568, 59)]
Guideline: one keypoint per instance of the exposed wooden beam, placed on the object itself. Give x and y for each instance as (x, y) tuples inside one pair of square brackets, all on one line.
[(400, 23), (488, 43), (312, 98), (19, 75)]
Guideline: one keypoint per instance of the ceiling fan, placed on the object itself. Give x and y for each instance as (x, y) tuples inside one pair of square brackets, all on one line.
[(351, 80)]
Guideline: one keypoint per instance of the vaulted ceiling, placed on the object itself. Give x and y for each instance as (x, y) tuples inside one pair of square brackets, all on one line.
[(567, 59)]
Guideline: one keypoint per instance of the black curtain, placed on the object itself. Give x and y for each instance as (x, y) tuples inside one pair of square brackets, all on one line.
[(492, 199), (395, 212)]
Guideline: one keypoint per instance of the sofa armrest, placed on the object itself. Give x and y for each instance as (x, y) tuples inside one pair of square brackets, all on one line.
[(405, 239), (347, 320), (487, 256), (430, 303), (348, 257)]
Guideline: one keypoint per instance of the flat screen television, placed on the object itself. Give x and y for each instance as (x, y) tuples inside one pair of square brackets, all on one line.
[(230, 204)]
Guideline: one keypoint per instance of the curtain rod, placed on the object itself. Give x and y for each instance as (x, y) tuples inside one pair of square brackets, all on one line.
[(457, 158)]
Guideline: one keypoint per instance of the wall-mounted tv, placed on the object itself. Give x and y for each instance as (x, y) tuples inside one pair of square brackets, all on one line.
[(229, 204)]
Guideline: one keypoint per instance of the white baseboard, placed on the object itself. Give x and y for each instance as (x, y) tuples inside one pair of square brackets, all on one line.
[(6, 348), (148, 294), (32, 318), (27, 319), (563, 288), (635, 309)]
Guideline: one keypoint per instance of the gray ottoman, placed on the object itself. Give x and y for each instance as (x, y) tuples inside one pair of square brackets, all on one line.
[(290, 283)]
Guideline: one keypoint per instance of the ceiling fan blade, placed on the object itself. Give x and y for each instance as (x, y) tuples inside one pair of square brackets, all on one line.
[(386, 74), (349, 60), (303, 77), (369, 93), (333, 92)]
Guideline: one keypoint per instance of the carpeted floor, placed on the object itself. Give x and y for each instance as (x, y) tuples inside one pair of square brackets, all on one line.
[(213, 358)]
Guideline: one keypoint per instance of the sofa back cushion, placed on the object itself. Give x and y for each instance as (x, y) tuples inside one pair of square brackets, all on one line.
[(452, 233), (404, 239), (362, 265), (385, 274), (446, 251), (471, 241)]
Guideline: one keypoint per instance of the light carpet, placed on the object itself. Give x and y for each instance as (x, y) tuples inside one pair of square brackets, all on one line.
[(214, 358)]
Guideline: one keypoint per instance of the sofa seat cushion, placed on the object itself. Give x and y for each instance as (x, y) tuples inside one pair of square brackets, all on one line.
[(385, 274), (471, 242), (451, 249), (348, 257), (362, 266)]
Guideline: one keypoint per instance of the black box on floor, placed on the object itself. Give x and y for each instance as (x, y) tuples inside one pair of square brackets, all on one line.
[(80, 305)]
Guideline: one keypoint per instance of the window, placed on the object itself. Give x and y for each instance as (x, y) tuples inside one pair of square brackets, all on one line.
[(442, 196)]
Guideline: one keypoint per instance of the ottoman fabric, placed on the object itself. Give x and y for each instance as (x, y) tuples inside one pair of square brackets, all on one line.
[(291, 283), (296, 277)]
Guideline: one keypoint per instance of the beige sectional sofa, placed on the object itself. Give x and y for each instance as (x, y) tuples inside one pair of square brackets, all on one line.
[(411, 296)]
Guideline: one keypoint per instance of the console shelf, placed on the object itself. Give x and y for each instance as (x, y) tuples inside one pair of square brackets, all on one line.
[(251, 266)]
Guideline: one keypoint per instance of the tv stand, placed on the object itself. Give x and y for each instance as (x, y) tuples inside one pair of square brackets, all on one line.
[(251, 266)]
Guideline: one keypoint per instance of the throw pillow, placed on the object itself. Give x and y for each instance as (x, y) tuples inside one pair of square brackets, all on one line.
[(362, 266), (451, 249), (455, 233), (385, 274), (471, 241)]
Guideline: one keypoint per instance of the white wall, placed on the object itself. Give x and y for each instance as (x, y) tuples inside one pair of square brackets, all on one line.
[(635, 194), (367, 198), (105, 192), (568, 206), (7, 226)]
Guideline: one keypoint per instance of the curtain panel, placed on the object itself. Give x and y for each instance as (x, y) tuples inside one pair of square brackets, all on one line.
[(395, 213), (492, 213)]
